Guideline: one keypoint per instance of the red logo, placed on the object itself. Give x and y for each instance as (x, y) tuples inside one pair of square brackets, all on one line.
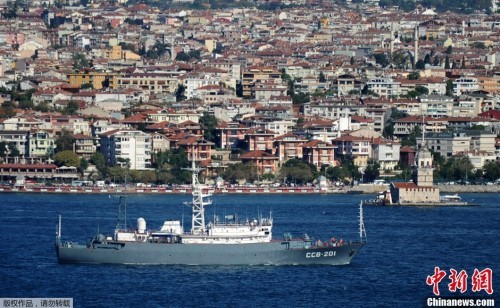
[(435, 279), (481, 280), (458, 281)]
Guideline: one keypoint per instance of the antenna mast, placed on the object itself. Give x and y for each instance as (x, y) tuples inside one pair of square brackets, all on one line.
[(121, 223), (362, 230), (200, 199)]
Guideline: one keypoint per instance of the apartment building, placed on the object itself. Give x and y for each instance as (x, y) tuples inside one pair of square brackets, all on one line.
[(151, 83), (464, 85), (253, 75), (39, 143), (98, 79), (384, 87), (126, 147)]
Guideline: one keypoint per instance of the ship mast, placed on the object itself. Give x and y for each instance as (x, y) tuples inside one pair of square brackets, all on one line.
[(58, 232), (200, 199), (362, 230)]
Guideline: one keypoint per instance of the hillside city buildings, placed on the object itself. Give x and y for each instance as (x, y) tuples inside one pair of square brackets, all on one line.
[(320, 85)]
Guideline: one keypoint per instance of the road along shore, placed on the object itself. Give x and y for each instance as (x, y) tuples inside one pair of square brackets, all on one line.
[(359, 189)]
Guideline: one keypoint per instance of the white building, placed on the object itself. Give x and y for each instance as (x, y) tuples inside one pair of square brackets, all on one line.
[(384, 87), (464, 85), (127, 147), (386, 153), (436, 106), (194, 81)]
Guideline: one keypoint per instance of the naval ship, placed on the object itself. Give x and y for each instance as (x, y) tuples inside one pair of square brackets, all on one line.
[(213, 243)]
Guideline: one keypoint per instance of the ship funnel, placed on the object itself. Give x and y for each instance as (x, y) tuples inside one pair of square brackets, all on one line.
[(141, 225)]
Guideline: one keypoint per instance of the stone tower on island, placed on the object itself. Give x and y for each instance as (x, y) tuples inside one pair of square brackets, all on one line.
[(423, 172), (422, 190)]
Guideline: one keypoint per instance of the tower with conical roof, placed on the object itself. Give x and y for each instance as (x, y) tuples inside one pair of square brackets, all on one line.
[(423, 173)]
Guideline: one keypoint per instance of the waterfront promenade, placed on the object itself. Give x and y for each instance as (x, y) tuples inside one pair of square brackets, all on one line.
[(361, 189)]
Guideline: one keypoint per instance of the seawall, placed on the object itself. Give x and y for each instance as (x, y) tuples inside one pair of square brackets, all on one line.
[(359, 189)]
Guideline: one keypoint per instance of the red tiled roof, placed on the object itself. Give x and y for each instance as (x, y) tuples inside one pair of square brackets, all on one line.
[(407, 149), (28, 166), (258, 154)]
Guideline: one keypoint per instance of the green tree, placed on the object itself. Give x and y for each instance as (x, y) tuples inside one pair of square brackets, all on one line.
[(417, 92), (338, 173), (449, 87), (414, 75), (118, 174), (447, 63), (420, 65), (284, 76), (322, 77), (11, 11), (182, 56), (347, 172), (208, 123), (99, 161), (297, 171), (80, 61), (67, 158), (479, 45), (169, 166), (65, 141), (427, 59), (381, 58), (300, 98), (491, 171), (239, 172), (411, 140), (72, 108), (268, 176), (86, 86), (436, 61), (422, 90), (43, 107), (179, 94), (372, 172), (389, 128), (84, 164), (7, 110), (8, 149), (400, 58)]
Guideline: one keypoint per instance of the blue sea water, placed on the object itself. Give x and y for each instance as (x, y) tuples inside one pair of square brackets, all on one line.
[(404, 246)]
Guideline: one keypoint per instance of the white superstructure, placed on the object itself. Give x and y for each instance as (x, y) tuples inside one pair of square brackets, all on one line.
[(231, 231)]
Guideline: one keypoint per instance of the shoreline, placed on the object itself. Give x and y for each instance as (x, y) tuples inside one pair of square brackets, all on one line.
[(360, 189)]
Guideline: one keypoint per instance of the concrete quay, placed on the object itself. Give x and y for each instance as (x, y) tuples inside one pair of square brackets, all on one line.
[(359, 189)]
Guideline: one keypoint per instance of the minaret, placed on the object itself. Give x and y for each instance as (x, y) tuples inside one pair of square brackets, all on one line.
[(172, 49), (416, 46), (392, 38)]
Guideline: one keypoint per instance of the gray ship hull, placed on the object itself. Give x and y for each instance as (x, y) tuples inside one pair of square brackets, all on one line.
[(272, 253)]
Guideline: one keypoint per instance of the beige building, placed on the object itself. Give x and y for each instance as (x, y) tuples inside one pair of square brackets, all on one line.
[(150, 83), (254, 75)]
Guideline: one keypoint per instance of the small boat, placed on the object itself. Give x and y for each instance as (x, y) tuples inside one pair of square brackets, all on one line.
[(450, 198)]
